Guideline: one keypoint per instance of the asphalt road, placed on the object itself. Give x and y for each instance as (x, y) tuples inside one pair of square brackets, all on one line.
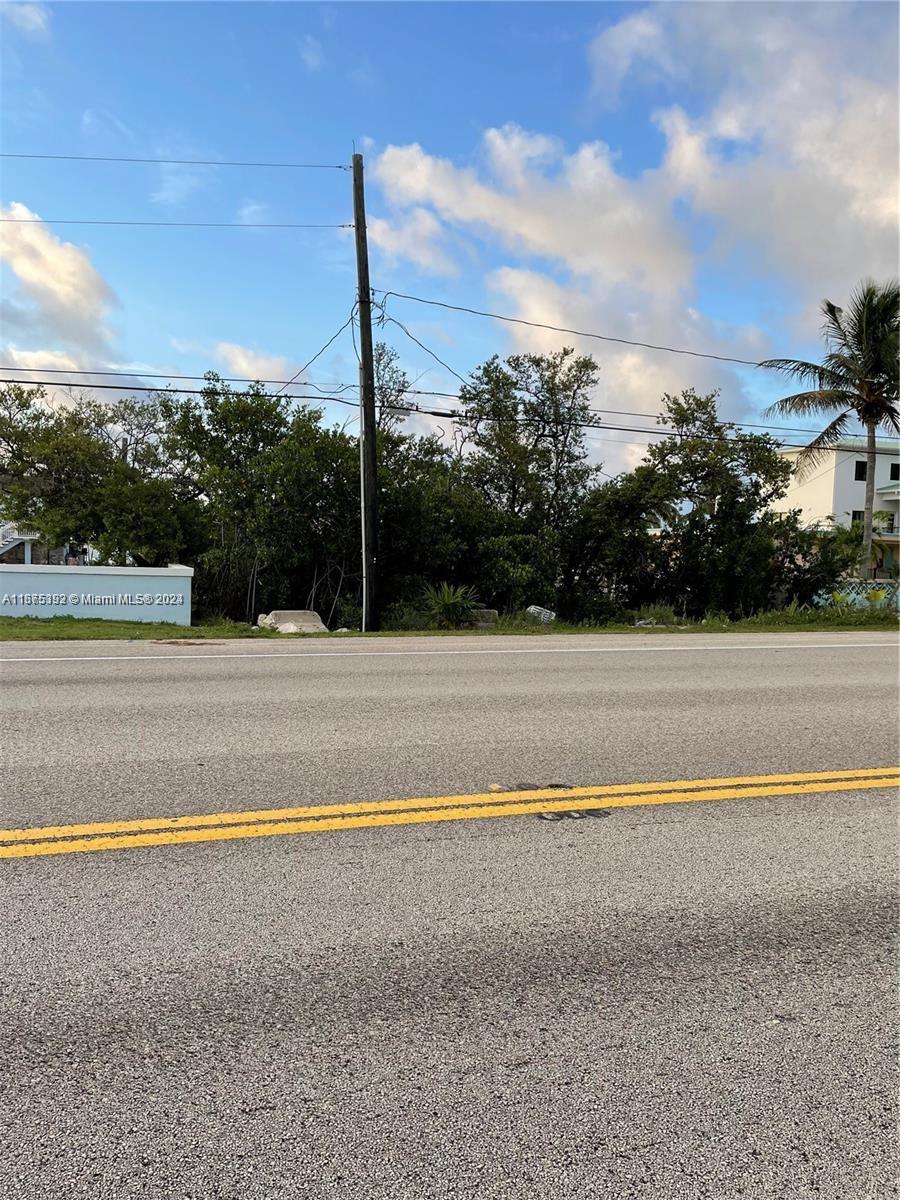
[(677, 1000)]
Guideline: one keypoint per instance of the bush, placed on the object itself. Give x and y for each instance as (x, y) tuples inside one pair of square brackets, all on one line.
[(404, 618), (347, 615), (832, 617), (449, 606), (661, 614)]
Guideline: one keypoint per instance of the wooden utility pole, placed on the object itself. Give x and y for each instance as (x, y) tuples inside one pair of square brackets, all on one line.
[(367, 464)]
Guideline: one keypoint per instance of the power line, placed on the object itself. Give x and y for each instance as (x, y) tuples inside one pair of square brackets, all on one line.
[(601, 337), (333, 338), (136, 374), (457, 415), (422, 346), (173, 224), (180, 391), (343, 387), (180, 162)]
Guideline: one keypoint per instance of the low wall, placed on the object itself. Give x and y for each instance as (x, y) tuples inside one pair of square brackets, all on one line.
[(111, 593), (854, 593)]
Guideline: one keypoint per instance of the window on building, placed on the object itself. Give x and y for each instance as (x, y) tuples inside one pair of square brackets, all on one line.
[(895, 472), (860, 472), (857, 515)]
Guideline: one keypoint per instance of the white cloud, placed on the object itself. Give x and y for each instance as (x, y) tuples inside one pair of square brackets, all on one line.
[(796, 150), (31, 19), (178, 181), (779, 167), (249, 364), (36, 361), (311, 54), (415, 236), (65, 297), (101, 121), (632, 379), (252, 212), (637, 42), (49, 368), (187, 346), (585, 216), (586, 248)]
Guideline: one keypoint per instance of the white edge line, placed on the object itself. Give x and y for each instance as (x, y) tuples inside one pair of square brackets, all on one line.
[(418, 653)]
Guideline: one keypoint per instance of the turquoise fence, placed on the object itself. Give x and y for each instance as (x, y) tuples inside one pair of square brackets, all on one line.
[(862, 593)]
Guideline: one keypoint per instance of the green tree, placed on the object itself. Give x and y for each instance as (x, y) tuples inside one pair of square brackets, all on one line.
[(225, 442), (522, 454), (523, 421), (716, 545), (391, 388), (611, 546), (857, 380), (92, 473)]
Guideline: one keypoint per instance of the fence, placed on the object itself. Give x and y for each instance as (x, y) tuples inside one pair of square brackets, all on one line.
[(863, 593)]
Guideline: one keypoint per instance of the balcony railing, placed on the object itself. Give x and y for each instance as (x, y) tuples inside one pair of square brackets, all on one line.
[(10, 531)]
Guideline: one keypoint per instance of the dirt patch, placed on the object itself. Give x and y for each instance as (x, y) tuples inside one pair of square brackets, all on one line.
[(186, 642)]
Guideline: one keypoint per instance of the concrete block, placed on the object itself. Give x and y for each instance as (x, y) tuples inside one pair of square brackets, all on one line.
[(485, 616), (301, 620)]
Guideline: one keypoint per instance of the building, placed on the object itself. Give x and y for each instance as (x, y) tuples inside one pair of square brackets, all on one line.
[(22, 546), (17, 544), (834, 493)]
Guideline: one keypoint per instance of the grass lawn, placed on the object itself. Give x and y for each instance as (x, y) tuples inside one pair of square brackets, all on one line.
[(92, 628), (33, 629)]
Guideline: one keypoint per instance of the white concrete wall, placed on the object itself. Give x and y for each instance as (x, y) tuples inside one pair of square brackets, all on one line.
[(850, 494), (814, 494), (830, 488)]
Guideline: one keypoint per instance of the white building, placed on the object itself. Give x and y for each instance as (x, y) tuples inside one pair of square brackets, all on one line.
[(834, 491)]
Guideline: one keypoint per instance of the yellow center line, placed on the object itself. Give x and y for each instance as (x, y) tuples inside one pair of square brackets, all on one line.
[(69, 839), (464, 799)]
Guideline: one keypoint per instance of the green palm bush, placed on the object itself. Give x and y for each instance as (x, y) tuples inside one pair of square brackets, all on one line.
[(450, 606)]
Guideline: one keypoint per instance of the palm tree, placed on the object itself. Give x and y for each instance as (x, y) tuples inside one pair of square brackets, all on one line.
[(858, 379)]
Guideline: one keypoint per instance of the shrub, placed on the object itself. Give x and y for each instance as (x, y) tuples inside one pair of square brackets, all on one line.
[(661, 614), (449, 606), (404, 618)]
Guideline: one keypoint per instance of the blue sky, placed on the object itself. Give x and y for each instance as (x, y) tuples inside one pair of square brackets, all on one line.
[(696, 175)]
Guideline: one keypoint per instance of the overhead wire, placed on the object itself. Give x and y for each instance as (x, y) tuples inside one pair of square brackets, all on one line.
[(330, 393), (177, 391), (602, 337), (416, 409), (175, 224), (318, 353), (344, 387), (138, 374), (393, 320), (180, 162)]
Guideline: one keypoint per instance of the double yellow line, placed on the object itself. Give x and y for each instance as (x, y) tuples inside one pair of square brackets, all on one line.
[(272, 822)]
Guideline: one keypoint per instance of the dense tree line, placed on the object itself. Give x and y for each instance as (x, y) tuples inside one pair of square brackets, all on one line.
[(261, 497)]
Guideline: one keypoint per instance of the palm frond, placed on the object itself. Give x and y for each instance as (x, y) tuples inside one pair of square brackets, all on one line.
[(858, 374), (822, 400), (807, 372), (812, 454)]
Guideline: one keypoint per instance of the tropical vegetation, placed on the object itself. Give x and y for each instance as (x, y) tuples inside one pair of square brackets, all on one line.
[(857, 381), (260, 495)]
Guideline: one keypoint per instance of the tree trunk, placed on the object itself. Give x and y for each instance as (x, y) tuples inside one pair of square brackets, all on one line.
[(871, 457)]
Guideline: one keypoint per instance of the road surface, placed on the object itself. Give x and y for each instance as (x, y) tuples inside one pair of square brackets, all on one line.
[(364, 964)]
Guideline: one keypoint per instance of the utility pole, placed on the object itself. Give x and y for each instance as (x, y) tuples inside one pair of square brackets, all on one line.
[(367, 464)]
